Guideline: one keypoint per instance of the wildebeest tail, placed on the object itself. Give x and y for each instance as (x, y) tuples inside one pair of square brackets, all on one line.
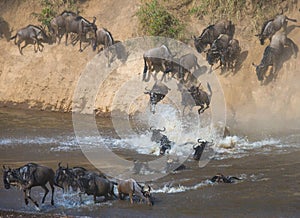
[(290, 19), (145, 69)]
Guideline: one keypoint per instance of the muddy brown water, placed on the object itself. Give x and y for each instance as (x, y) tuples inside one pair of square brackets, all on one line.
[(270, 185)]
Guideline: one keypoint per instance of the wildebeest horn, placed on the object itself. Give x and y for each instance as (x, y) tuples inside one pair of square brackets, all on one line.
[(59, 164), (199, 140), (94, 19), (3, 167), (151, 128), (162, 130)]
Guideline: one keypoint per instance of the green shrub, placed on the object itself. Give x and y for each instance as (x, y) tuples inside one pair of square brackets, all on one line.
[(155, 20), (51, 8)]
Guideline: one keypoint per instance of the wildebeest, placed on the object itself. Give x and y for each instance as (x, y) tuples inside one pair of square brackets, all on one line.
[(30, 34), (93, 184), (272, 54), (131, 187), (28, 176), (187, 62), (165, 144), (225, 50), (156, 134), (105, 38), (157, 93), (157, 57), (66, 177), (199, 148), (220, 178), (270, 27), (194, 96), (212, 32), (82, 27), (57, 25)]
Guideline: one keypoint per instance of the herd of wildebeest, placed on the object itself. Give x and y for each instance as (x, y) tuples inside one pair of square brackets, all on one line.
[(220, 46)]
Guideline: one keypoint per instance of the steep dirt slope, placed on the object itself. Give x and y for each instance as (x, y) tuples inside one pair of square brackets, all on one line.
[(47, 80)]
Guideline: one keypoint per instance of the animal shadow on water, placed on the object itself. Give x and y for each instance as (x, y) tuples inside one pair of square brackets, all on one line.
[(286, 55)]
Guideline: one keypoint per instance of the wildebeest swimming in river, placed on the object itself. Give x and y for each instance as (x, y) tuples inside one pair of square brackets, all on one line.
[(270, 27), (30, 35), (220, 178), (212, 32), (28, 176), (273, 54), (157, 93)]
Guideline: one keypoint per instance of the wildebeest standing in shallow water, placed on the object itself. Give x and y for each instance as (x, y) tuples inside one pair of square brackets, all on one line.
[(28, 176), (93, 184), (131, 187)]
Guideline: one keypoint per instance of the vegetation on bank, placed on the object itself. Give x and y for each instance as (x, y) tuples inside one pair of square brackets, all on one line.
[(51, 8), (156, 20)]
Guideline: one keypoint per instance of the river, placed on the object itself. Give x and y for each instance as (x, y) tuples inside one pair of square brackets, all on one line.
[(268, 166)]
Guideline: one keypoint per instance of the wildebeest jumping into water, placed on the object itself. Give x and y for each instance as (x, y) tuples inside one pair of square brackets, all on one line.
[(199, 148), (157, 57), (212, 32), (30, 35), (28, 176), (195, 96), (270, 27), (157, 93), (272, 55)]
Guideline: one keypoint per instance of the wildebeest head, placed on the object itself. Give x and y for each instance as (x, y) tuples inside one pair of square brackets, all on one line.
[(156, 134), (165, 144), (212, 56), (146, 191), (9, 177), (199, 45), (260, 71), (63, 177), (199, 148), (157, 93)]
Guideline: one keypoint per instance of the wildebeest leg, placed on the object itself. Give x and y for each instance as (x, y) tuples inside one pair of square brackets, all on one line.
[(30, 198), (20, 49), (130, 197), (200, 109), (52, 190), (25, 197), (95, 199), (46, 192)]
